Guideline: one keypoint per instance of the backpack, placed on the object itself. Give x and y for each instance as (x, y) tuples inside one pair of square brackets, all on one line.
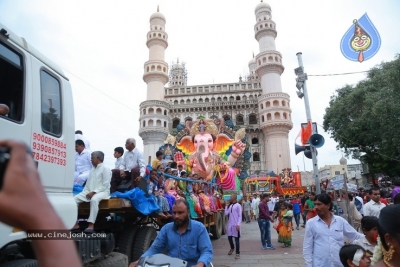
[(358, 204)]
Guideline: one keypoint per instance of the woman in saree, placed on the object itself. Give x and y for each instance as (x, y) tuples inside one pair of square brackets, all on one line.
[(285, 226)]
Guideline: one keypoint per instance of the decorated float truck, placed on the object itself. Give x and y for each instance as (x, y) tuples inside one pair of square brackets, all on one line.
[(42, 114)]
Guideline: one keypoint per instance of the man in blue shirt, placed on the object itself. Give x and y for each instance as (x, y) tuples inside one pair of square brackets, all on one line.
[(185, 239)]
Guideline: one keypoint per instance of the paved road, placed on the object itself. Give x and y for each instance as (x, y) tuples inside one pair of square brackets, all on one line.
[(251, 253)]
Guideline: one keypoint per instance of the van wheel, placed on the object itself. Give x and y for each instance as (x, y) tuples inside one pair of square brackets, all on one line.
[(126, 241), (223, 232), (144, 238), (114, 259), (216, 229), (21, 263)]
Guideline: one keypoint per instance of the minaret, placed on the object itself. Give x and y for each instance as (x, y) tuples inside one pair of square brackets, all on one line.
[(273, 104), (177, 75), (252, 70), (154, 120)]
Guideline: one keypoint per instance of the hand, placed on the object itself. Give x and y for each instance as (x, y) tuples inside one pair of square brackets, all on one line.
[(237, 228), (90, 195), (133, 264), (122, 173), (238, 147), (199, 264), (22, 185)]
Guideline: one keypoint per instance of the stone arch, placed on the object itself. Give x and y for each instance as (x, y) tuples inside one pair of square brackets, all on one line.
[(267, 104), (194, 101), (262, 118), (251, 97), (153, 68), (256, 156), (270, 59), (252, 119), (212, 99), (264, 59), (231, 98), (159, 35), (158, 111), (239, 119), (259, 62), (277, 116), (206, 100), (164, 69), (175, 122), (201, 100), (158, 123), (225, 98), (158, 68), (276, 59), (244, 97), (151, 110), (144, 123), (237, 97), (182, 101), (165, 112), (219, 99), (176, 102), (283, 103), (144, 111), (261, 106), (148, 68), (150, 123), (269, 117), (188, 101), (275, 103), (165, 124), (154, 35), (284, 115)]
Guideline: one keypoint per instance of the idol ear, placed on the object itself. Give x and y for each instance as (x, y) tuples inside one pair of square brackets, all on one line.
[(223, 143), (186, 145)]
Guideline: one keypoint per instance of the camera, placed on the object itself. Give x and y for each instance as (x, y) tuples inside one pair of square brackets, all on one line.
[(4, 158)]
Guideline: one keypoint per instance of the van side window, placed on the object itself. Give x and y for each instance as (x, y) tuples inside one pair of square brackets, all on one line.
[(51, 104), (11, 83)]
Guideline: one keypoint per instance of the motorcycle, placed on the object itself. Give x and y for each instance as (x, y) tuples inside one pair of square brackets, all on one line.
[(162, 260)]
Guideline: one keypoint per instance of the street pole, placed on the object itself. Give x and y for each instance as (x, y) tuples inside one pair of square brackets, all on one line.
[(308, 113)]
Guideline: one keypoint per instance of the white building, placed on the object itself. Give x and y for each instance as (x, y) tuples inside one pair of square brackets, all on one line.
[(255, 102)]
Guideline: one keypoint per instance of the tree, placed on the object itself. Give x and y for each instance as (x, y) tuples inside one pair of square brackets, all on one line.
[(365, 119)]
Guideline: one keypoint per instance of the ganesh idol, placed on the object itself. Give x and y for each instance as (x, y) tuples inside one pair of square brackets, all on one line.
[(211, 152)]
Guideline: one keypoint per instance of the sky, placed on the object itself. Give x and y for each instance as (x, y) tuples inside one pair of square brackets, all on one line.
[(101, 46)]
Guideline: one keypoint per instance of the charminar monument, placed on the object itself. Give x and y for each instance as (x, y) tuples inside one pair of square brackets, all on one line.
[(255, 102)]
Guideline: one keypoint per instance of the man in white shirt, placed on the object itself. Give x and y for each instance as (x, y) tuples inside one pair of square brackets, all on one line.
[(97, 188), (131, 170), (374, 206), (79, 136), (83, 163), (325, 235), (255, 203)]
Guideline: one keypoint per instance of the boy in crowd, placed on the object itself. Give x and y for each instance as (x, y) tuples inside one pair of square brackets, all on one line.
[(118, 152)]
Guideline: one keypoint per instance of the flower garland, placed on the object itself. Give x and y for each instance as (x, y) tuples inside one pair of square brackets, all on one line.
[(378, 255)]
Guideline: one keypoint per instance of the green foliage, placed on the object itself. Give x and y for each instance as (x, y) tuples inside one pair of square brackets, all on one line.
[(365, 119)]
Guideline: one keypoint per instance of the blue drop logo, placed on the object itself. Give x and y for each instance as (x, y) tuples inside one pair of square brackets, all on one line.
[(361, 41)]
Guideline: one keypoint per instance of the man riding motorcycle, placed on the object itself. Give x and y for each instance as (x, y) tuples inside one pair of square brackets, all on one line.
[(184, 238)]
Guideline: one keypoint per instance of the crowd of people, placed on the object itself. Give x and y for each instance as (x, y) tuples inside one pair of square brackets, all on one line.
[(97, 181), (329, 239)]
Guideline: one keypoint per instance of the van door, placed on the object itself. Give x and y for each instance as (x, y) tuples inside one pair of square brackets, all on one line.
[(15, 92), (49, 147)]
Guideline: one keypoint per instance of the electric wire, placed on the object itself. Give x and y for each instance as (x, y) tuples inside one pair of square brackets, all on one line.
[(338, 74), (100, 90)]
